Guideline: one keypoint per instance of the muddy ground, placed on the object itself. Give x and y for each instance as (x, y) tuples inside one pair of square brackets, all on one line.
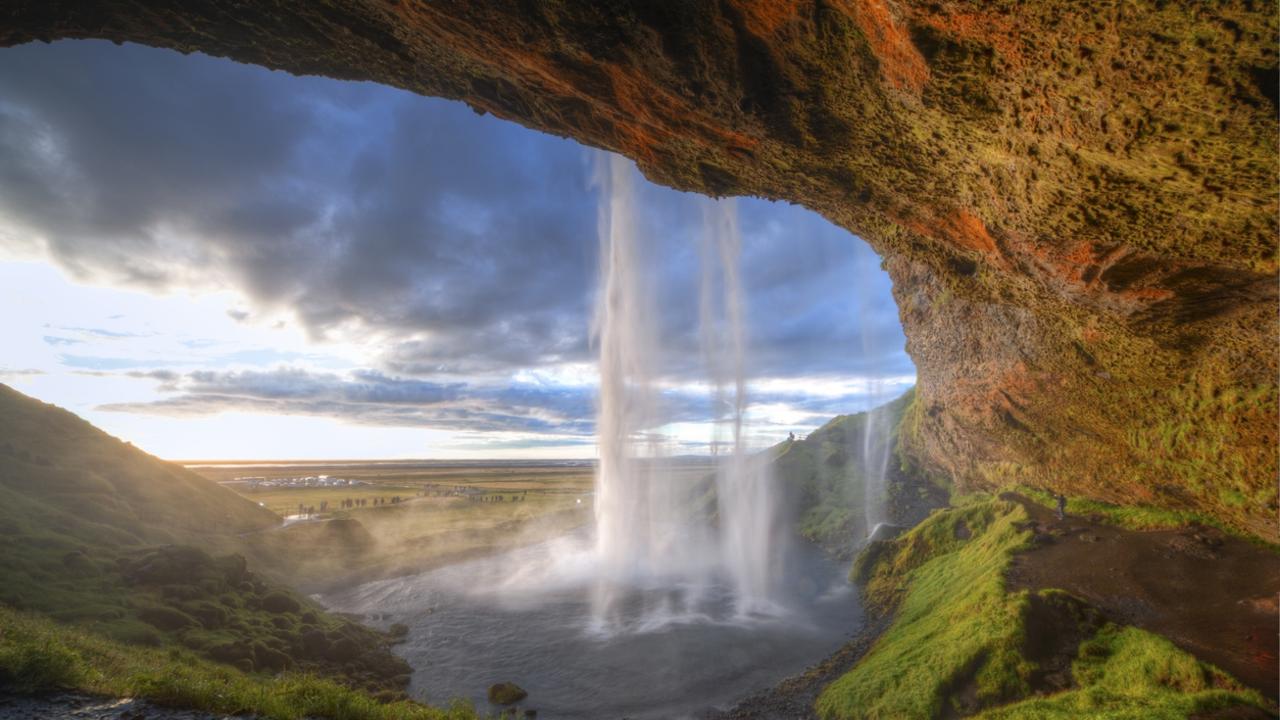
[(1212, 594)]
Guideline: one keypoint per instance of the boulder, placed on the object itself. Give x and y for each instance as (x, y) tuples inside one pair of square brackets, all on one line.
[(506, 693)]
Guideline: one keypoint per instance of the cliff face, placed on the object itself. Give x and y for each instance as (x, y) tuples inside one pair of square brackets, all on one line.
[(1077, 200)]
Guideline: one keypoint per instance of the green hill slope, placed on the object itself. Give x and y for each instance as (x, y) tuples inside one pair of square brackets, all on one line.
[(62, 475), (826, 470)]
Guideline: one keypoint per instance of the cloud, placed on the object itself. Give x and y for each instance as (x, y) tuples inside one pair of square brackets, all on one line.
[(461, 247), (19, 372), (368, 397)]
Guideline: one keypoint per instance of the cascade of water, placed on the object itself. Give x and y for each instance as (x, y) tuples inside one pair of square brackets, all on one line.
[(876, 441), (876, 449), (644, 532), (751, 540)]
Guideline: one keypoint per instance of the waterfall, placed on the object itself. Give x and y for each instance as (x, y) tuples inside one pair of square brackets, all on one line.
[(647, 534), (750, 534), (644, 531), (877, 444)]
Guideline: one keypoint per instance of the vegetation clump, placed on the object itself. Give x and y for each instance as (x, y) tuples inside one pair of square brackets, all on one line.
[(39, 655)]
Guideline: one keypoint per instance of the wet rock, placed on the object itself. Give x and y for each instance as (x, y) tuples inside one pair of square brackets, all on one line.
[(1189, 546), (506, 693)]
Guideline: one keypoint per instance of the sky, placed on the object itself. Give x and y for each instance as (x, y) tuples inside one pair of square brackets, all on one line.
[(217, 261)]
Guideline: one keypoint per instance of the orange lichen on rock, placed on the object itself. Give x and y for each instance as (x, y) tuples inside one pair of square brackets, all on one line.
[(984, 27), (968, 231), (764, 18), (900, 62)]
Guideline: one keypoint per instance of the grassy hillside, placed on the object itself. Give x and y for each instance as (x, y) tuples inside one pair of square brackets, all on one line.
[(97, 534), (61, 475), (826, 469), (39, 655)]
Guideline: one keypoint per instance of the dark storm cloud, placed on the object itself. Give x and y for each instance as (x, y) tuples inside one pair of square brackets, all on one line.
[(341, 202), (468, 242)]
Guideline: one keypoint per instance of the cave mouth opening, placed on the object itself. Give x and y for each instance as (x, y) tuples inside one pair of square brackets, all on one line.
[(439, 254), (396, 261)]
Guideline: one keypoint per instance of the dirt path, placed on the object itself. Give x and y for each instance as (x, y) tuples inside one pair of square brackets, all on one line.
[(1213, 595)]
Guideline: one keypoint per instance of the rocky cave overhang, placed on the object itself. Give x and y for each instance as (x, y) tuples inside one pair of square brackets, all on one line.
[(1077, 201)]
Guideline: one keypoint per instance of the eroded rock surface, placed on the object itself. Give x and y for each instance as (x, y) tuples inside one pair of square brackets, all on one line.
[(1077, 201)]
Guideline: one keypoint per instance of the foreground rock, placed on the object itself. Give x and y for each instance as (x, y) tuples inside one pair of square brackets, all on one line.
[(506, 693)]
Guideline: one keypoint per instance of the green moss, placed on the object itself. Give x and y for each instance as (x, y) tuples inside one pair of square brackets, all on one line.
[(38, 655)]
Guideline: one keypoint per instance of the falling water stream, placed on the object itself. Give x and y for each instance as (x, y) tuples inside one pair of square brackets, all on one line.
[(646, 527), (752, 543), (876, 441)]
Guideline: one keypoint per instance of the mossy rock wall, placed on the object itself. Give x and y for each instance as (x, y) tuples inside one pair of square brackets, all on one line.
[(1077, 201)]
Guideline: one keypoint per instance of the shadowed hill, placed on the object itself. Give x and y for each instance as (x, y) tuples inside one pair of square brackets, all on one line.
[(96, 532), (61, 476)]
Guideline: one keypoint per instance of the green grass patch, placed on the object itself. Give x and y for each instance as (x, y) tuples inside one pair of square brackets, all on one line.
[(954, 619), (1126, 673), (959, 639), (38, 655)]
